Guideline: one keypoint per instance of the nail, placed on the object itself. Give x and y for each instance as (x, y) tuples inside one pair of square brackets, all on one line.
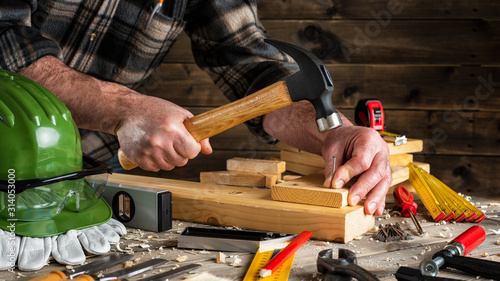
[(355, 200), (371, 207)]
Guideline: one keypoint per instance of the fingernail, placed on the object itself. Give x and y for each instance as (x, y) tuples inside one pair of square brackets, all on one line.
[(355, 200), (371, 207), (339, 184)]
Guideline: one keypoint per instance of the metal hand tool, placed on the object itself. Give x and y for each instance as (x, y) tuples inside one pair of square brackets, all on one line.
[(312, 82), (412, 274), (124, 273), (172, 273), (453, 256), (90, 268), (342, 269), (404, 201)]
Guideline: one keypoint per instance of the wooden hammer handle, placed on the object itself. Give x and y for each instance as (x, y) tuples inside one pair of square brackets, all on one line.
[(227, 116)]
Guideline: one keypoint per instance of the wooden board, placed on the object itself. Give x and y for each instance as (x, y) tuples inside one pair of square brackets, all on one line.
[(411, 146), (363, 9), (421, 87), (239, 178), (256, 165), (400, 159), (309, 190), (432, 42), (251, 208)]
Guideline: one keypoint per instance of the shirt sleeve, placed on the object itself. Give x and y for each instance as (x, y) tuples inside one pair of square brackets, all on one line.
[(20, 42), (228, 42)]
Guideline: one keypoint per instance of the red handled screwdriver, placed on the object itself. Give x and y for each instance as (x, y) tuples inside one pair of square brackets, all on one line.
[(404, 200)]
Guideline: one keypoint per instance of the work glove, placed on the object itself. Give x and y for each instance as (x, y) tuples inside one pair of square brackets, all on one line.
[(32, 253)]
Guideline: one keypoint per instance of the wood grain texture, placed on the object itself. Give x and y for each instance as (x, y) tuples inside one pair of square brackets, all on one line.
[(399, 87), (227, 116), (303, 157), (251, 208), (256, 165), (373, 9), (239, 178), (309, 190), (411, 146), (302, 169), (401, 159), (400, 42), (233, 178)]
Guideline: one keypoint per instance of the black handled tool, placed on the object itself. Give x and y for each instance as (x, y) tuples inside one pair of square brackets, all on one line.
[(344, 268)]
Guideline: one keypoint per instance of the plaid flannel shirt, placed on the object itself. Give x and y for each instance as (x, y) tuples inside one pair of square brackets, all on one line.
[(109, 40)]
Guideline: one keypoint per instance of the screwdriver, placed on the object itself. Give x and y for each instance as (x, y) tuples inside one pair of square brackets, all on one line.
[(404, 200)]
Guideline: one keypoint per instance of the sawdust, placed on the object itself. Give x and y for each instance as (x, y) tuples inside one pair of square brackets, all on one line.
[(205, 276)]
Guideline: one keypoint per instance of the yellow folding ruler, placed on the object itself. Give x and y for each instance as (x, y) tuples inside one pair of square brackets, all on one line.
[(262, 257), (441, 201)]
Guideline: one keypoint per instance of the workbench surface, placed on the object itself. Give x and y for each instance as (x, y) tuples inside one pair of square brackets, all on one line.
[(380, 258)]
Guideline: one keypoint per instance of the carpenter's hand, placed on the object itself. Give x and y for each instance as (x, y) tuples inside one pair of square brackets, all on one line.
[(153, 136), (359, 151)]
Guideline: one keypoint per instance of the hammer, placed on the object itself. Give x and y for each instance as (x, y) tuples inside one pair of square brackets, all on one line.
[(312, 82)]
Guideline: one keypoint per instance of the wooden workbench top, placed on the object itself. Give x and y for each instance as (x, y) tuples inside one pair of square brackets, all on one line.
[(381, 258)]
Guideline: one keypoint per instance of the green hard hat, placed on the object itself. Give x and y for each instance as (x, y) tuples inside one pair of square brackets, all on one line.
[(39, 139)]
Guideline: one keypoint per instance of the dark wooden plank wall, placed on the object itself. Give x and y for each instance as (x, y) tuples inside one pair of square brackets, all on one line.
[(433, 64)]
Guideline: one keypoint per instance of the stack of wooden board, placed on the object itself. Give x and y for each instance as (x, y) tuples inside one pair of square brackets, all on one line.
[(247, 172), (253, 208), (305, 163)]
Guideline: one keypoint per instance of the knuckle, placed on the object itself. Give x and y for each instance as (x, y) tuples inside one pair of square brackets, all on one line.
[(364, 163), (182, 162)]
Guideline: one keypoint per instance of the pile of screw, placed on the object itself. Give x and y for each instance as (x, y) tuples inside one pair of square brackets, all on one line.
[(392, 232)]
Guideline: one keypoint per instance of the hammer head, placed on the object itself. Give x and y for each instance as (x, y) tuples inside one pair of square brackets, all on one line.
[(313, 83)]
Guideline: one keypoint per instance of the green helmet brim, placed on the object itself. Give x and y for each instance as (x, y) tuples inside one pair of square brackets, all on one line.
[(64, 221)]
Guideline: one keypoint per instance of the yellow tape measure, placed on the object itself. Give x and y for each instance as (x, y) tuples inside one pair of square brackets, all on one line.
[(441, 201), (261, 258)]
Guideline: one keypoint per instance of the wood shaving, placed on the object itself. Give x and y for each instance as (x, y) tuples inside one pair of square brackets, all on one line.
[(204, 252), (497, 232), (358, 238), (117, 245), (181, 258), (486, 254), (144, 246), (221, 258), (498, 241), (69, 267), (494, 204), (236, 262), (128, 264)]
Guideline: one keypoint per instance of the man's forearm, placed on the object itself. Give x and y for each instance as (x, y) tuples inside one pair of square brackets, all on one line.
[(93, 103)]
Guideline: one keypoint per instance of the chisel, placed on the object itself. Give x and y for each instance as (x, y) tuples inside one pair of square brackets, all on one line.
[(90, 268), (172, 273), (124, 273)]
